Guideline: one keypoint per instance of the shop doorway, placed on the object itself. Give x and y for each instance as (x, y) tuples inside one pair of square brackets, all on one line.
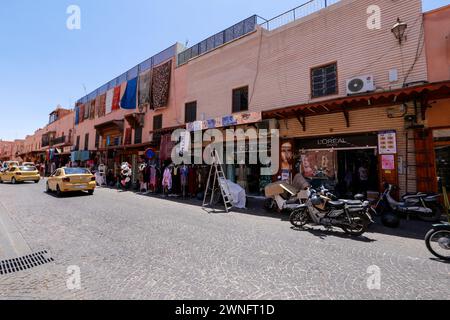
[(357, 172)]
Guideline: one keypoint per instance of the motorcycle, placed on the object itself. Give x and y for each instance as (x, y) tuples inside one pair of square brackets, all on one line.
[(352, 216), (422, 205), (438, 241), (281, 196)]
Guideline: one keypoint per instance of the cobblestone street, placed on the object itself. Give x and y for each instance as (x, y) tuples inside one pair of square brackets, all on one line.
[(130, 246)]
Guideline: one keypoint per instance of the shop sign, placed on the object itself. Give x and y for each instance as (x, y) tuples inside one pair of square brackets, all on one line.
[(361, 141), (388, 162), (150, 153), (387, 142), (227, 121)]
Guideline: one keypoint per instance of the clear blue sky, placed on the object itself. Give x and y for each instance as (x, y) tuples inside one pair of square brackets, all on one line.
[(43, 64)]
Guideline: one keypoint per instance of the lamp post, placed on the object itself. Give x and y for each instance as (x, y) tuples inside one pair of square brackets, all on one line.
[(399, 30)]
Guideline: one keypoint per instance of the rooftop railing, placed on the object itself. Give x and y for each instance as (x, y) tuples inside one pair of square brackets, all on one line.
[(238, 30), (294, 14)]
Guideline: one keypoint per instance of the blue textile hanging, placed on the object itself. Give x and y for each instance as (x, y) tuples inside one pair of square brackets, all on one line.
[(77, 115), (129, 97)]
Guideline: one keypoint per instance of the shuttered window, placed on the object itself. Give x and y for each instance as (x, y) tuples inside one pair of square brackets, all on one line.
[(157, 122), (324, 81), (190, 114), (86, 142), (138, 135), (240, 99)]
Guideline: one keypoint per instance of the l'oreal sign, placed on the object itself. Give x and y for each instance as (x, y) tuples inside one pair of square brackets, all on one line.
[(331, 142), (354, 141)]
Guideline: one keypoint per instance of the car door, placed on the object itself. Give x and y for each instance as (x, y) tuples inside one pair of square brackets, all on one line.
[(10, 174), (52, 180)]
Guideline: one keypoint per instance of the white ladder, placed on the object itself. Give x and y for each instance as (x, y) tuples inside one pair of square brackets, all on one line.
[(220, 180)]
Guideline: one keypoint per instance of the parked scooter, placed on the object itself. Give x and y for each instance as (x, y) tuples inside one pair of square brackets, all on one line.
[(424, 206), (438, 241), (350, 215), (281, 196)]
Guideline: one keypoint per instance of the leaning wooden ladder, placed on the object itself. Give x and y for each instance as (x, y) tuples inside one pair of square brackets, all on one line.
[(217, 177)]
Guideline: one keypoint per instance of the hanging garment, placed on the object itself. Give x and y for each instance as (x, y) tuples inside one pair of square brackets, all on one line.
[(84, 155), (184, 174), (109, 101), (161, 85), (92, 107), (81, 118), (100, 103), (165, 149), (145, 80), (129, 98), (167, 179), (153, 177), (116, 98), (77, 115)]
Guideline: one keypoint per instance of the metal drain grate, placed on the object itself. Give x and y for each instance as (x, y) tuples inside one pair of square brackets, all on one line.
[(24, 263)]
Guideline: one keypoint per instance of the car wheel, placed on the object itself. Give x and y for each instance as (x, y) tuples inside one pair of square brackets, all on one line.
[(1, 181), (13, 180), (90, 192), (47, 188), (37, 181), (58, 191)]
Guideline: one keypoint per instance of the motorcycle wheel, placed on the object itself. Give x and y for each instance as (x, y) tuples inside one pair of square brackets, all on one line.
[(299, 218), (436, 217), (442, 240), (360, 224)]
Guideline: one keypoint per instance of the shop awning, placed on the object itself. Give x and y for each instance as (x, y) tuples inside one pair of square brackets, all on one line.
[(168, 130), (423, 93), (135, 119), (113, 124)]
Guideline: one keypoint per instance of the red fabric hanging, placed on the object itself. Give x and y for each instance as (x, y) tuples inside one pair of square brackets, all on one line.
[(116, 99)]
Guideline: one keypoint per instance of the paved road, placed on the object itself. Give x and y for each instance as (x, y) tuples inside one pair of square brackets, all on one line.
[(130, 246)]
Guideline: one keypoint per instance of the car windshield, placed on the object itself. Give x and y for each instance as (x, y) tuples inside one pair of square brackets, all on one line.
[(76, 171), (27, 168)]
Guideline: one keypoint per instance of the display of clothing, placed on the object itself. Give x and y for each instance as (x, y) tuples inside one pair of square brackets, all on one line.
[(184, 176), (109, 101), (129, 98), (116, 99), (161, 85), (145, 81), (167, 178)]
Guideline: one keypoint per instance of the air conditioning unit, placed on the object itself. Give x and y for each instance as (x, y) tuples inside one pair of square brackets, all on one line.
[(360, 84)]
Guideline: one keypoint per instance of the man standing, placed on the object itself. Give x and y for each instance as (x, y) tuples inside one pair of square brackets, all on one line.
[(363, 172)]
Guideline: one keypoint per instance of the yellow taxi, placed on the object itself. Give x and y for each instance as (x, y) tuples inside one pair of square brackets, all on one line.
[(17, 174), (70, 180)]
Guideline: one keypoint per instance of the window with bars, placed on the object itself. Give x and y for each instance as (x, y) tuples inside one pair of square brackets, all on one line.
[(240, 99), (324, 80), (190, 112), (138, 135)]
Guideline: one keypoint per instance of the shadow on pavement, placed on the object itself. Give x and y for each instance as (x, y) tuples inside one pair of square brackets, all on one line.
[(414, 229)]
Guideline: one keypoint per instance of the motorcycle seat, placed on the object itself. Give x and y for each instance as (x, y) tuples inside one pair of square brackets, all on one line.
[(352, 202), (294, 206), (337, 204)]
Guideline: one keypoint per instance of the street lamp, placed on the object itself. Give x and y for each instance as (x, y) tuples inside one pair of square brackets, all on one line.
[(399, 30)]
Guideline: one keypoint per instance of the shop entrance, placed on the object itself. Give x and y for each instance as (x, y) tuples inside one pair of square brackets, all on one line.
[(357, 171)]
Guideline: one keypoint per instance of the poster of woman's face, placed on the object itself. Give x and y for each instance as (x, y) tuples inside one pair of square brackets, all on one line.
[(286, 156)]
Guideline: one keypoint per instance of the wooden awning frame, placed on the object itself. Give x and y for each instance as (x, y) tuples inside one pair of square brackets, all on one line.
[(424, 94), (119, 124)]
